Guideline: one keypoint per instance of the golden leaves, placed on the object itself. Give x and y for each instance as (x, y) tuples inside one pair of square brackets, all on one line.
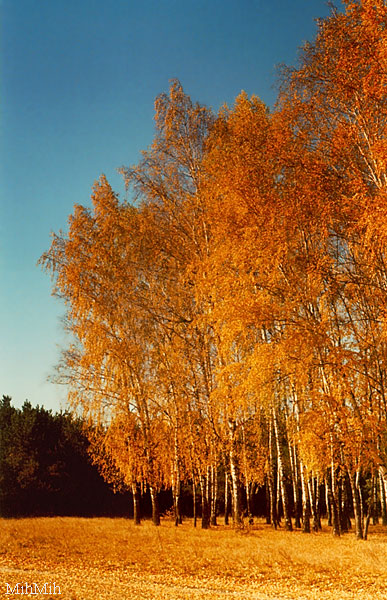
[(113, 559), (252, 272)]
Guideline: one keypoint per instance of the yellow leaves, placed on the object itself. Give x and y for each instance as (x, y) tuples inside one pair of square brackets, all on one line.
[(236, 157), (313, 440), (253, 266), (113, 559)]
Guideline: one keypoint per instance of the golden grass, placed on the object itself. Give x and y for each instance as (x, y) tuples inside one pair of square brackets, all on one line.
[(98, 559)]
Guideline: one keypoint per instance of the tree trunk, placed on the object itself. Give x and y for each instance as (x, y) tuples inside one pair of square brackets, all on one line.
[(235, 477), (332, 500), (205, 508), (136, 504), (226, 499), (176, 502), (375, 512), (353, 478), (372, 507), (367, 522), (271, 481), (248, 500), (235, 491), (278, 498), (208, 490), (155, 505), (281, 475), (305, 500), (214, 493), (273, 503), (312, 500), (318, 501), (194, 500), (176, 478), (267, 507), (345, 521), (383, 480), (328, 505), (246, 476), (360, 497), (383, 500), (296, 495)]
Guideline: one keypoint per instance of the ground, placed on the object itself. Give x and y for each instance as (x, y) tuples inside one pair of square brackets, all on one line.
[(98, 559)]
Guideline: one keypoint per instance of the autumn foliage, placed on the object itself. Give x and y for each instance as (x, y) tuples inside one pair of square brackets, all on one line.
[(229, 322)]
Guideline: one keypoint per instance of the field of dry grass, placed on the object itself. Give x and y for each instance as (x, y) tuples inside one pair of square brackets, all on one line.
[(92, 559)]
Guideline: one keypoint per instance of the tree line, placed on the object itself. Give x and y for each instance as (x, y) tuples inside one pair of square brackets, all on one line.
[(229, 320), (46, 468)]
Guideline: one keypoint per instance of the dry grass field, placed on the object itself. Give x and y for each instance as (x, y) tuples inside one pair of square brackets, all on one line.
[(92, 559)]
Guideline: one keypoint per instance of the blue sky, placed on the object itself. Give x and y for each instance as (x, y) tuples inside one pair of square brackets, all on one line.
[(78, 82)]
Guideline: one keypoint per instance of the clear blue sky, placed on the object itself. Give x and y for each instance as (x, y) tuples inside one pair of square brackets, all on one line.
[(78, 82)]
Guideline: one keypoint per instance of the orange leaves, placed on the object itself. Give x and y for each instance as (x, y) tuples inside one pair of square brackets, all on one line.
[(252, 270), (313, 441)]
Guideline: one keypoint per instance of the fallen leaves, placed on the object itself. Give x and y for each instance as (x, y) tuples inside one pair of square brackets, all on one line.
[(111, 559)]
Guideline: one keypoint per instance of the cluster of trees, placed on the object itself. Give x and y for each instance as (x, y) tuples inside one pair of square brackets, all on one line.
[(45, 466), (232, 318)]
